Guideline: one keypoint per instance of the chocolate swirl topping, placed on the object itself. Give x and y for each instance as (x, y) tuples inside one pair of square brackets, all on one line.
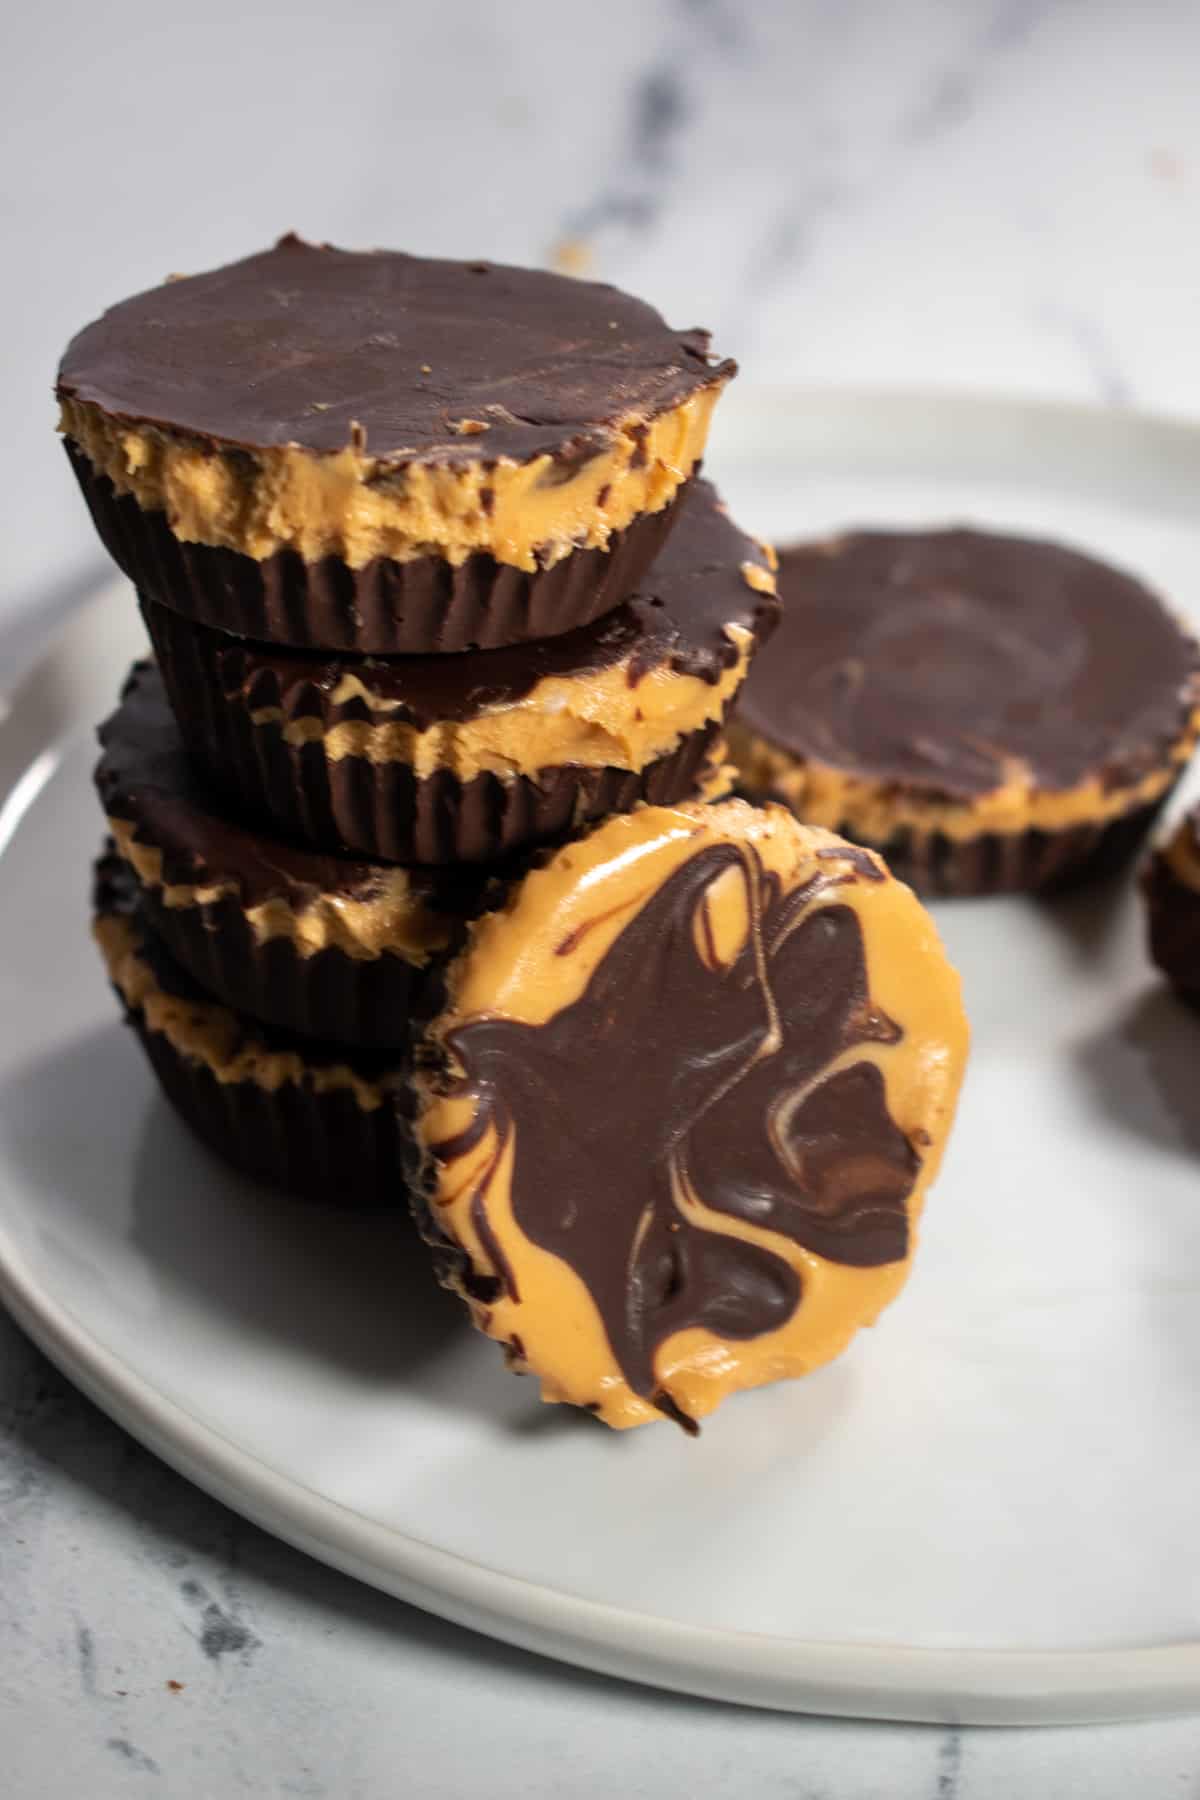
[(407, 357), (678, 1084), (941, 659)]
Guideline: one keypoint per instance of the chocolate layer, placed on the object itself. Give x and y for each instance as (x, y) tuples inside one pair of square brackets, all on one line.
[(1173, 913), (936, 661), (993, 862), (317, 347), (326, 997), (385, 608), (353, 991), (733, 1086), (383, 810), (321, 1147), (677, 618), (237, 704), (316, 1142)]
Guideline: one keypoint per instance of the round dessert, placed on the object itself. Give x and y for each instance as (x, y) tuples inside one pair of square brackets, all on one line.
[(307, 1117), (385, 453), (322, 945), (1171, 889), (683, 1105), (990, 712), (468, 758)]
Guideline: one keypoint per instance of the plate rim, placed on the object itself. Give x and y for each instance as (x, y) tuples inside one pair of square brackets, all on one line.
[(753, 393), (862, 1680)]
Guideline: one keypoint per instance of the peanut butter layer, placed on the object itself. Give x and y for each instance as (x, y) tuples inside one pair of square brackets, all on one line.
[(216, 1037), (364, 405), (961, 683), (621, 693), (183, 842), (602, 721), (873, 809), (697, 1077)]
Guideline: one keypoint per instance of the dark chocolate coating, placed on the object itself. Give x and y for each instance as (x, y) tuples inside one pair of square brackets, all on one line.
[(146, 777), (302, 343), (1173, 919), (386, 608), (326, 997), (1009, 862), (383, 810), (658, 1079), (932, 660), (319, 1144), (677, 618)]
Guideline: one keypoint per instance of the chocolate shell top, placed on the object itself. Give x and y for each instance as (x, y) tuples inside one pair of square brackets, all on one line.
[(676, 619), (317, 347), (939, 660), (146, 777)]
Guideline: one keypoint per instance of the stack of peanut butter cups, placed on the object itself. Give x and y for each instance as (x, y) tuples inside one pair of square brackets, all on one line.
[(420, 886), (432, 582)]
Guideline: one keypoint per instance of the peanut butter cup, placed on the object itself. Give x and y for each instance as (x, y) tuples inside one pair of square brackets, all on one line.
[(323, 945), (990, 712), (382, 453), (680, 1112), (468, 758), (310, 1118), (1171, 890)]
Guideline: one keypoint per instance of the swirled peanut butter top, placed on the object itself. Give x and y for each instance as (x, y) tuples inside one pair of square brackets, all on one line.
[(699, 1073)]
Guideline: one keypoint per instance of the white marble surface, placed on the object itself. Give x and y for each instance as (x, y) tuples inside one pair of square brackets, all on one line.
[(999, 193), (981, 192)]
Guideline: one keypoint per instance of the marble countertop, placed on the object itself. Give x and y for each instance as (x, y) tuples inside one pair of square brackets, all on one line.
[(988, 193), (153, 1643)]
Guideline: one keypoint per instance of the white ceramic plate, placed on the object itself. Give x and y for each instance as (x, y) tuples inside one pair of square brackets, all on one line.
[(986, 1511)]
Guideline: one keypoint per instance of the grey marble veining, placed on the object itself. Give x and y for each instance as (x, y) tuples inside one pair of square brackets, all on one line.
[(154, 1643), (995, 193)]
